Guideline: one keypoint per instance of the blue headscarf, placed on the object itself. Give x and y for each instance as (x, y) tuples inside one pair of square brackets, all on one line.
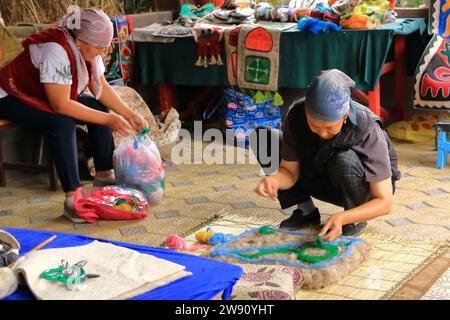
[(328, 96)]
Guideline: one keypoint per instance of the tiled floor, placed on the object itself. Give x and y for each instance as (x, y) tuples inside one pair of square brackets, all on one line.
[(196, 192)]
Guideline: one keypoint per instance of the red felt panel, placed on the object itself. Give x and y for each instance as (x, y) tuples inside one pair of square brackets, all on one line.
[(259, 40)]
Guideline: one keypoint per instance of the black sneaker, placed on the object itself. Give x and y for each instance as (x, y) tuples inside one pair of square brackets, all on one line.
[(353, 229), (298, 220)]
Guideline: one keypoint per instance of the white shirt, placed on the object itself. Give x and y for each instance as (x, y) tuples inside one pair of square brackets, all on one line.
[(54, 65)]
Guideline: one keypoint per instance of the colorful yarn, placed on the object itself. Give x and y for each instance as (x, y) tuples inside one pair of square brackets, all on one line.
[(316, 26), (267, 230), (333, 251), (203, 236), (212, 238), (176, 242), (219, 238)]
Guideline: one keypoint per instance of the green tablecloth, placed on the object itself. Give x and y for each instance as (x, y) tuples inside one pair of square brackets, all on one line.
[(359, 53)]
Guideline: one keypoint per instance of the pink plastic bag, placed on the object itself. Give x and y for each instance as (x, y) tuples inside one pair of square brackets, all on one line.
[(110, 203)]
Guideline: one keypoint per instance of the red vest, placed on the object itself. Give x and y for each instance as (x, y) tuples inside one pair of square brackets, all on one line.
[(21, 78)]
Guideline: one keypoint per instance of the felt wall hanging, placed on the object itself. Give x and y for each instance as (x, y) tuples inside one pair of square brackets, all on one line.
[(119, 57), (231, 42), (257, 66), (432, 81), (257, 57), (208, 48), (124, 273), (320, 263)]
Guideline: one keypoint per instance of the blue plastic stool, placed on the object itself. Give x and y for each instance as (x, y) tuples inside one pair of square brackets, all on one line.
[(443, 145)]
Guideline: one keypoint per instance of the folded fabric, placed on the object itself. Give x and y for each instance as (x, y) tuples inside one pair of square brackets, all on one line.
[(341, 6), (356, 21), (124, 273), (191, 10), (146, 34), (174, 31), (316, 26), (374, 10)]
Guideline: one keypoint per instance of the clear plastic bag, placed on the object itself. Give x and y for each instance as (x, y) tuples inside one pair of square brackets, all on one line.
[(138, 164)]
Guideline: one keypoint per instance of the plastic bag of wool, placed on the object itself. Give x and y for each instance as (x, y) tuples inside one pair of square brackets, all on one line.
[(321, 263)]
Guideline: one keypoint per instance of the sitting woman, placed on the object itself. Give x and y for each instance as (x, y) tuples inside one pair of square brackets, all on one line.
[(43, 90), (335, 150)]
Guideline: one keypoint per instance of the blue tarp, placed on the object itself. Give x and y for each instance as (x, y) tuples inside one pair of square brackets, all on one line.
[(209, 277)]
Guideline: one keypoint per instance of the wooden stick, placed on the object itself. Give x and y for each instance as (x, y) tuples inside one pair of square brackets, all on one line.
[(39, 246)]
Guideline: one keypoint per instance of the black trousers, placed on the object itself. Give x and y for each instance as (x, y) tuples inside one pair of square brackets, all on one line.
[(344, 185), (60, 131)]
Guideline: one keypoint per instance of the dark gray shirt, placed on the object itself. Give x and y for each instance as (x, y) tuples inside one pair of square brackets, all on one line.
[(373, 151)]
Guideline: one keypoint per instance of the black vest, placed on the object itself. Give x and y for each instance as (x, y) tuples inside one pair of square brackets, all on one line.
[(315, 153)]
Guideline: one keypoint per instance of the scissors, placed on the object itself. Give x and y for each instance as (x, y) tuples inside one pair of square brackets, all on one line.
[(70, 275)]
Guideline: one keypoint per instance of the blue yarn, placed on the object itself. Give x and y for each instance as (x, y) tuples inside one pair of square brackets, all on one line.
[(322, 8), (218, 238), (316, 26), (222, 250)]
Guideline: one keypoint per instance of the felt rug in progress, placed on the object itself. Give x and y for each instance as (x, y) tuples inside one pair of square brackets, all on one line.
[(320, 263), (392, 261)]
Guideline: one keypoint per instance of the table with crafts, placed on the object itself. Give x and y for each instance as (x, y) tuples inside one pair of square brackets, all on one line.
[(209, 279), (364, 54)]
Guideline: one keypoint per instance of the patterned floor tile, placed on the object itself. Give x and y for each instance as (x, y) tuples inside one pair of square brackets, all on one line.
[(132, 231), (6, 212), (248, 176), (224, 188), (446, 179), (208, 173), (39, 219), (434, 192), (243, 205), (85, 226), (405, 175), (4, 194), (166, 214), (399, 222), (181, 183), (38, 199), (418, 206), (197, 200)]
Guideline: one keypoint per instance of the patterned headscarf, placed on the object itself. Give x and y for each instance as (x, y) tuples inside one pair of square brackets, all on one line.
[(328, 96), (90, 25), (94, 27)]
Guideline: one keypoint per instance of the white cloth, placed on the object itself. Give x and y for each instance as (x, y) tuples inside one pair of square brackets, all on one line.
[(54, 66), (8, 282), (124, 273)]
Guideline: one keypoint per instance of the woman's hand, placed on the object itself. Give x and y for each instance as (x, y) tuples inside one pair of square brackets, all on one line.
[(137, 121), (333, 227), (118, 124), (268, 187)]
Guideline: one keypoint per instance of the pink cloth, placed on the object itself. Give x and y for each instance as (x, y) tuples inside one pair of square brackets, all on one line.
[(90, 25)]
